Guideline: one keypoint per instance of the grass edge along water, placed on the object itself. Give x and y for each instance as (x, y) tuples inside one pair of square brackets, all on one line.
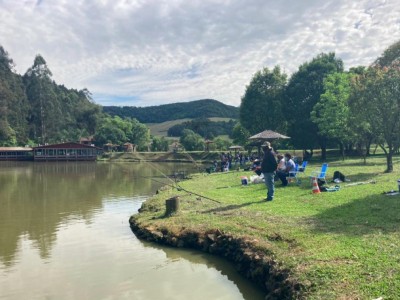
[(339, 245)]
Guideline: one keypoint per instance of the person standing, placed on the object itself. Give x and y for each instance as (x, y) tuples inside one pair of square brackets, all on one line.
[(268, 168)]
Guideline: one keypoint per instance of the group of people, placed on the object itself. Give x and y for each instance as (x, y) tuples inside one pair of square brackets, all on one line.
[(275, 167)]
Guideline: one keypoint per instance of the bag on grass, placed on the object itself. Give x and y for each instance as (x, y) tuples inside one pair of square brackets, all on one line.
[(339, 176)]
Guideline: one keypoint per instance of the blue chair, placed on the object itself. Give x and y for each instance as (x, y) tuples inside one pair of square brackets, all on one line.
[(320, 174), (293, 174), (302, 169)]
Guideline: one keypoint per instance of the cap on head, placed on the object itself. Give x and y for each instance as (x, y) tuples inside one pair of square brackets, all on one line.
[(267, 145)]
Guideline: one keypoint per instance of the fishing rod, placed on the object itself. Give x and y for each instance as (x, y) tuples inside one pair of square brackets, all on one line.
[(179, 188), (176, 184)]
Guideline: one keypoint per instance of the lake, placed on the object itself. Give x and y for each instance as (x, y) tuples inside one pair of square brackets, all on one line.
[(64, 234)]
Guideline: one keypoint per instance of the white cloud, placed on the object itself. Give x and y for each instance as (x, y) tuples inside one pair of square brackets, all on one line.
[(150, 52)]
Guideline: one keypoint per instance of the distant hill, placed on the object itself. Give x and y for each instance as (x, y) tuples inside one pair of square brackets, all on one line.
[(161, 129), (206, 108)]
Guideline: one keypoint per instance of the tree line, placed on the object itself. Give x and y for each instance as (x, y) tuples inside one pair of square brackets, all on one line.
[(322, 105), (319, 106), (34, 110)]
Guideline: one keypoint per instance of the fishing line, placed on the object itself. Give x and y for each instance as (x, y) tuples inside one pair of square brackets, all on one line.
[(177, 186)]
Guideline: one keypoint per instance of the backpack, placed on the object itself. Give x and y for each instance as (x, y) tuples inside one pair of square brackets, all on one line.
[(339, 175)]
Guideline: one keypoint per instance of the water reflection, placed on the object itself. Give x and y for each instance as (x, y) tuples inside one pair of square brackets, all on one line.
[(37, 197), (64, 234)]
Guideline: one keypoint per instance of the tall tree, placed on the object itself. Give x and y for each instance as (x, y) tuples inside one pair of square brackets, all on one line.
[(332, 112), (389, 56), (45, 114), (262, 105), (303, 92), (13, 102), (377, 100)]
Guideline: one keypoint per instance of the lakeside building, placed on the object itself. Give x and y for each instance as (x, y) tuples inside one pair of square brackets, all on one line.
[(16, 153), (66, 152)]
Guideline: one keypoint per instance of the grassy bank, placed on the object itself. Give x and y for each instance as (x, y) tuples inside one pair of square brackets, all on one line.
[(337, 245)]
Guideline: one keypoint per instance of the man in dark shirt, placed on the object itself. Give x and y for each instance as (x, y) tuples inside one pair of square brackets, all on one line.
[(268, 168)]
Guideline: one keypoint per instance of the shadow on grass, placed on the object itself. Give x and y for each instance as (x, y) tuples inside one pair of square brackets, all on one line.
[(375, 213)]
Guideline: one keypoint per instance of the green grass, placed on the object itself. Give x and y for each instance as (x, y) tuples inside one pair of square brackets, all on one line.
[(341, 245)]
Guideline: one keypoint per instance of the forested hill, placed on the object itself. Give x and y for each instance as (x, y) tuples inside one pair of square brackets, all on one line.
[(205, 108)]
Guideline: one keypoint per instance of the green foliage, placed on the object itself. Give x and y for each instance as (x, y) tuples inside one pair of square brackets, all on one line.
[(221, 144), (262, 105), (157, 114), (332, 112), (191, 141), (240, 135), (159, 144), (13, 104), (377, 100), (34, 109), (119, 131), (389, 56), (204, 127), (304, 90)]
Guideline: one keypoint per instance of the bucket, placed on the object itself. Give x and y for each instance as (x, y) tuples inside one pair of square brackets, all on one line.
[(244, 180)]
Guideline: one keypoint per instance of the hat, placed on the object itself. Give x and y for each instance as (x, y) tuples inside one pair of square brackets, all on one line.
[(267, 145)]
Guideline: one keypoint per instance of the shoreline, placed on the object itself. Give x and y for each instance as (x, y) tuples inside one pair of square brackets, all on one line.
[(254, 264)]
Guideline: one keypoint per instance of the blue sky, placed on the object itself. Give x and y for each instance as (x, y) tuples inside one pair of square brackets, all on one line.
[(151, 52)]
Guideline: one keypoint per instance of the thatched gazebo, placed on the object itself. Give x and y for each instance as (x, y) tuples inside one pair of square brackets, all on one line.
[(236, 148), (267, 135)]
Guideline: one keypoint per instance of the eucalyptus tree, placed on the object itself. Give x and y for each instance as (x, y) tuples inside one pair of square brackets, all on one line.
[(13, 103), (303, 92), (262, 105), (45, 115)]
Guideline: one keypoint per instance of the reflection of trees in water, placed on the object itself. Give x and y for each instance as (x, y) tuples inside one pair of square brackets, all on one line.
[(36, 198), (248, 290)]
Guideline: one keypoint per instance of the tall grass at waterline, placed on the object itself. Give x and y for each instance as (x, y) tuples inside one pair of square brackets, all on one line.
[(341, 245)]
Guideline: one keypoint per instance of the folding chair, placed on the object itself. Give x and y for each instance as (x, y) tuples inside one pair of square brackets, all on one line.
[(293, 174), (302, 169), (320, 174)]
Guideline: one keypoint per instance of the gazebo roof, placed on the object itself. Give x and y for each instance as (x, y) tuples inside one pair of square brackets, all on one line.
[(268, 135), (235, 147)]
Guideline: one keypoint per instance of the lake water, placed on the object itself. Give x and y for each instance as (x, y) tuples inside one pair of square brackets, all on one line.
[(64, 234)]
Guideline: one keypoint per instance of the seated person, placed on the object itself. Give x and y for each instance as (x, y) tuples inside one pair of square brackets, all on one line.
[(289, 166), (281, 163), (256, 167)]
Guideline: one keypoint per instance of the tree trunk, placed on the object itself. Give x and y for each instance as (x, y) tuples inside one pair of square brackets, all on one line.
[(323, 153), (341, 146), (389, 161)]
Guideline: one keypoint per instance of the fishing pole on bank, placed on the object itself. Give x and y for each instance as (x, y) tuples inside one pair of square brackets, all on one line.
[(175, 183)]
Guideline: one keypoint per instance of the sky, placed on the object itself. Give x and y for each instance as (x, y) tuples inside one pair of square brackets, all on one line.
[(153, 52)]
